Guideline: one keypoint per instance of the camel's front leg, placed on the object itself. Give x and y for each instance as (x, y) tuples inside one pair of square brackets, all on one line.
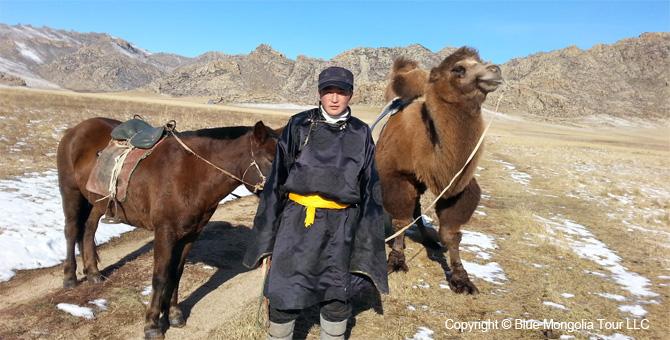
[(453, 213), (396, 258)]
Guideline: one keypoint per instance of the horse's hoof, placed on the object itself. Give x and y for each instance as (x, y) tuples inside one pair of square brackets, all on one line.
[(177, 322), (94, 278), (153, 333), (69, 283)]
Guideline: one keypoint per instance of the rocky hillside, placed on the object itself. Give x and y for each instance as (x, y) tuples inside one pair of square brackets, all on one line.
[(96, 62), (627, 79), (630, 78)]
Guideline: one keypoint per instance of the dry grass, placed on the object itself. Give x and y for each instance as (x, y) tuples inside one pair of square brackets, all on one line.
[(612, 181), (33, 121)]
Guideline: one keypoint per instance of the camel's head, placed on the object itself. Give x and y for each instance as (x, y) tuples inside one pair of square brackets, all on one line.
[(464, 76)]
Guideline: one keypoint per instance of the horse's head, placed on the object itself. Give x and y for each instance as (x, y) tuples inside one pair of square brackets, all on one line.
[(464, 76), (263, 146)]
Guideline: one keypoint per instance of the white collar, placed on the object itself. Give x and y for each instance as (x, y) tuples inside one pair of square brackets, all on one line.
[(335, 119)]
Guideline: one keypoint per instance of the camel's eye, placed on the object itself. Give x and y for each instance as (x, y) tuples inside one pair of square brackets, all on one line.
[(459, 71)]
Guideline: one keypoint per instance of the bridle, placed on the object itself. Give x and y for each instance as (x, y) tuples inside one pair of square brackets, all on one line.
[(256, 187)]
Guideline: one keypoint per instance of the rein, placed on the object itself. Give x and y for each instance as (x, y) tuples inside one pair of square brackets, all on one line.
[(479, 143), (257, 187)]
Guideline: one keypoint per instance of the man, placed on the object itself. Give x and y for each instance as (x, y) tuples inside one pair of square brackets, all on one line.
[(320, 214)]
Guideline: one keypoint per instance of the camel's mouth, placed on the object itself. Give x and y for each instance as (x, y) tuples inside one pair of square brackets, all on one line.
[(489, 85)]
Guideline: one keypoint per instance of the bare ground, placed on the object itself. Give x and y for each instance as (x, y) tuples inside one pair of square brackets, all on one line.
[(608, 178), (215, 284)]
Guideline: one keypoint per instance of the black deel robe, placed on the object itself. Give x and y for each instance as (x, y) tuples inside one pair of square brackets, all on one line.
[(328, 259)]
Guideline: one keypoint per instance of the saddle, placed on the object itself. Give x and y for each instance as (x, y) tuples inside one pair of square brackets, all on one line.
[(132, 141), (139, 133)]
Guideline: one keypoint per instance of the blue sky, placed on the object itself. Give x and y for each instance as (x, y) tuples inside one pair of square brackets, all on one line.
[(501, 30)]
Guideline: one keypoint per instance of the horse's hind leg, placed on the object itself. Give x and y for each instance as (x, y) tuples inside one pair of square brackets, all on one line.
[(76, 210), (453, 213), (88, 248)]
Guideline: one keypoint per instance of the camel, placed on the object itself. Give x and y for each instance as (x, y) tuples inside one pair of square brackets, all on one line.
[(425, 144)]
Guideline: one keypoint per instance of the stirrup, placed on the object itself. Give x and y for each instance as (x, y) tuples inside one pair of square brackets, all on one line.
[(110, 220)]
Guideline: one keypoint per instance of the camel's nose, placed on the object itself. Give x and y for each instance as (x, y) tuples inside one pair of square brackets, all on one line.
[(494, 68)]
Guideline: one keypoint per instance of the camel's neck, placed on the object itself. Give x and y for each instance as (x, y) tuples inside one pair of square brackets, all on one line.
[(453, 125)]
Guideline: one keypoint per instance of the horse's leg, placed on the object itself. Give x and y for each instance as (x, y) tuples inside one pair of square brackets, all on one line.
[(163, 245), (399, 197), (88, 249), (76, 210), (176, 317), (453, 212)]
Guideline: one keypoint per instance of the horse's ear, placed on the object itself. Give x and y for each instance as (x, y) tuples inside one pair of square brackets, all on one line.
[(260, 133)]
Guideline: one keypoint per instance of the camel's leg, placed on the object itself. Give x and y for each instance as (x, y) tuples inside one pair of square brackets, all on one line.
[(427, 240), (396, 258), (399, 196), (160, 296), (453, 213), (88, 248), (180, 253), (76, 210)]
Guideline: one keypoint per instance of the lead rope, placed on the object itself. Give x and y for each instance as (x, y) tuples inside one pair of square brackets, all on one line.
[(257, 187), (479, 143), (262, 300)]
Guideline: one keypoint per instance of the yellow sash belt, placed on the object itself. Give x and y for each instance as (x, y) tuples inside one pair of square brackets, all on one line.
[(311, 202)]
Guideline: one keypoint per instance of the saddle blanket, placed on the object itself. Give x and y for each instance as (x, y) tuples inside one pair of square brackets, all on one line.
[(112, 157)]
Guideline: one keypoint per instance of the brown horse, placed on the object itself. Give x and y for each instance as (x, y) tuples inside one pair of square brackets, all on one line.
[(171, 192), (425, 145)]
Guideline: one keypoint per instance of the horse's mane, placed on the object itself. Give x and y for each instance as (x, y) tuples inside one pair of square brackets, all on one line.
[(227, 132)]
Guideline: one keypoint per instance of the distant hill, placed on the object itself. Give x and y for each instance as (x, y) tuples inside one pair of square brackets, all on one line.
[(629, 78)]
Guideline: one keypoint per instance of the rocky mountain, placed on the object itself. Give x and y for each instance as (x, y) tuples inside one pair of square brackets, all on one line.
[(629, 78), (96, 62)]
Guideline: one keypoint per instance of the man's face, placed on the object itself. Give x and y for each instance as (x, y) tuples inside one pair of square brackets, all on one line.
[(334, 100)]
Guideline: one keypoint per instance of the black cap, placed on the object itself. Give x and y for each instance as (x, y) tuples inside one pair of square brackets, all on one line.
[(336, 76)]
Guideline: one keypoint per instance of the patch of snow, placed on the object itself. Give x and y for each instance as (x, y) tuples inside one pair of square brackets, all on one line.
[(518, 176), (84, 312), (555, 305), (146, 291), (423, 334), (584, 244), (616, 297), (100, 303), (490, 272), (636, 310), (32, 223), (28, 53)]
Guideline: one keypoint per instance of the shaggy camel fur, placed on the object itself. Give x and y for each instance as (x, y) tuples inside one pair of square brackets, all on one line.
[(425, 144)]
